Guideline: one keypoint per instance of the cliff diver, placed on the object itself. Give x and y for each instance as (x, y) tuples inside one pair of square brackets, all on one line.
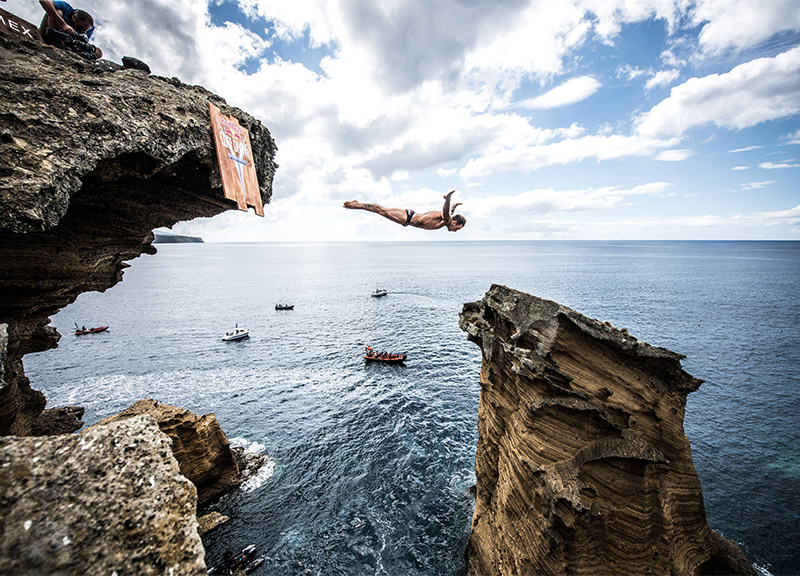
[(432, 220)]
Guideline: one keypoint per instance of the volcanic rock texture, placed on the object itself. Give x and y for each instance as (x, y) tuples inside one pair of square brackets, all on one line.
[(198, 444), (582, 463), (93, 157), (110, 500)]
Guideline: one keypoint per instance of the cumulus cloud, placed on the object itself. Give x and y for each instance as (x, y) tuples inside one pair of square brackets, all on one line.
[(570, 92), (757, 91), (662, 78), (569, 150), (739, 24), (543, 201), (793, 138)]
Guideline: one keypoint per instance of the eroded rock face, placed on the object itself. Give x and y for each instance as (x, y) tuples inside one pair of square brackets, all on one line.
[(109, 500), (93, 157), (198, 444), (582, 463)]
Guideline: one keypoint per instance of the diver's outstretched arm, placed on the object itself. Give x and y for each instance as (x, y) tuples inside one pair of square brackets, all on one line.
[(446, 207)]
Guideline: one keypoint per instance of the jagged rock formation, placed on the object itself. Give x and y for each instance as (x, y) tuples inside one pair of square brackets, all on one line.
[(198, 444), (110, 500), (93, 157), (582, 463)]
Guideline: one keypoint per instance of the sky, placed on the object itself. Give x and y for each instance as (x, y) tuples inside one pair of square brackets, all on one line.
[(552, 119)]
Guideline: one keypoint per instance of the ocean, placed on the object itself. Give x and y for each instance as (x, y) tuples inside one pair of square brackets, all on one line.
[(369, 466)]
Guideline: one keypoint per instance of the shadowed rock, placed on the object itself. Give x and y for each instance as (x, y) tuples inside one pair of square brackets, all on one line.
[(582, 463)]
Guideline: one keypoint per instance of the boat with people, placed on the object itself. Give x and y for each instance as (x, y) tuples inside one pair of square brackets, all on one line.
[(284, 306), (379, 292), (371, 355), (84, 330), (236, 334), (246, 560)]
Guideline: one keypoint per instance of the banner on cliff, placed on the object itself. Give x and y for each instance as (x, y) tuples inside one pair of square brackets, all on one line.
[(235, 159), (17, 25)]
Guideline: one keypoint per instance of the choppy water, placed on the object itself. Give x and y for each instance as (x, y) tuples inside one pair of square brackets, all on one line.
[(370, 466)]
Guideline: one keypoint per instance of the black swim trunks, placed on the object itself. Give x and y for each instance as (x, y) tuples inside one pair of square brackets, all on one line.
[(409, 216)]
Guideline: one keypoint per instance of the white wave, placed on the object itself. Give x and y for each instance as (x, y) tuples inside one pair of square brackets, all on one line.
[(265, 472)]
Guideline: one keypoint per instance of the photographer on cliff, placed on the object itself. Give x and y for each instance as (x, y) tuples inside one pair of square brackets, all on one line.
[(62, 17)]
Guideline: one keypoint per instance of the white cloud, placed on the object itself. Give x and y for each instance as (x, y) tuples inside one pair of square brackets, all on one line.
[(741, 168), (572, 91), (772, 166), (781, 217), (629, 72), (675, 155), (757, 185), (793, 138), (530, 157), (745, 149), (754, 92), (739, 24), (662, 78), (543, 201)]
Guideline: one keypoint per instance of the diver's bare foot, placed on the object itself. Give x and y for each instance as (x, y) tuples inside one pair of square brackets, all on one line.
[(446, 196), (352, 204)]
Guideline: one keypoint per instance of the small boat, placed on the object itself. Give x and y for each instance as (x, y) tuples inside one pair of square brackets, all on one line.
[(84, 330), (379, 292), (245, 559), (385, 357), (236, 334), (284, 306)]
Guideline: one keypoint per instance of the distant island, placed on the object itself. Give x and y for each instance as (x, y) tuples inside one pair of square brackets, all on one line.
[(161, 238)]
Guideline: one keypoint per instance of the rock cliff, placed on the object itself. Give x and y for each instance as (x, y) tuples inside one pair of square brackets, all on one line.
[(582, 463), (93, 157), (110, 500)]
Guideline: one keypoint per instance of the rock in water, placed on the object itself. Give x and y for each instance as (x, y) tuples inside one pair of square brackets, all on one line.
[(582, 463), (109, 500)]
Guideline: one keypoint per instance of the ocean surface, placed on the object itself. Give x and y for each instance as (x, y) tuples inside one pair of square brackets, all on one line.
[(369, 466)]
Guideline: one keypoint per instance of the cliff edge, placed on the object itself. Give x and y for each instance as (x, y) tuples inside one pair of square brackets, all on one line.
[(93, 157), (582, 463)]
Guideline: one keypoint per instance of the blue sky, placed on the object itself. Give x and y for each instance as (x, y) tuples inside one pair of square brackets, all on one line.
[(555, 119)]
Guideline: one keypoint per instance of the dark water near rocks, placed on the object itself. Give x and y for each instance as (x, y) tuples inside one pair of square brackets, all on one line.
[(369, 466)]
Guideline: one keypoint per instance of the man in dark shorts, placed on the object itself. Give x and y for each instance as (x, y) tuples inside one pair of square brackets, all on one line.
[(64, 18), (427, 220)]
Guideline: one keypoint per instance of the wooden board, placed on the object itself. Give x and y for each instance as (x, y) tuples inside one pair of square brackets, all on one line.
[(235, 159), (16, 25)]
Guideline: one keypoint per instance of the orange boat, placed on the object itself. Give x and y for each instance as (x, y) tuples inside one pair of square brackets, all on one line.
[(85, 330), (371, 356)]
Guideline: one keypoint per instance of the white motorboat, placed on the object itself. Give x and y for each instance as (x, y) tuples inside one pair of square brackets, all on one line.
[(236, 334), (379, 292)]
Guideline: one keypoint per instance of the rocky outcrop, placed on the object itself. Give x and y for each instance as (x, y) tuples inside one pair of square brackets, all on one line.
[(110, 500), (93, 157), (582, 463), (198, 444)]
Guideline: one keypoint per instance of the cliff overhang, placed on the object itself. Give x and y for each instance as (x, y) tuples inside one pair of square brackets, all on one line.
[(93, 157)]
